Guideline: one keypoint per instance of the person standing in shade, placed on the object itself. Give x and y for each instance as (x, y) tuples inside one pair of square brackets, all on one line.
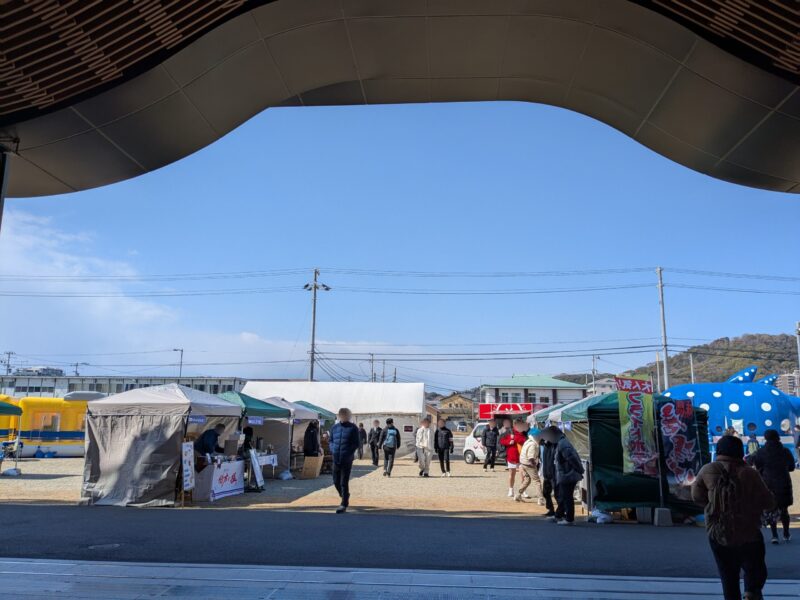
[(344, 441), (733, 497), (443, 445), (424, 444), (569, 471), (362, 440), (774, 462), (489, 439), (548, 476), (390, 442), (311, 440), (373, 439)]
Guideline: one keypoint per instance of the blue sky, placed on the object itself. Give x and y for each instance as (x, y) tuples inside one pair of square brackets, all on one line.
[(448, 188)]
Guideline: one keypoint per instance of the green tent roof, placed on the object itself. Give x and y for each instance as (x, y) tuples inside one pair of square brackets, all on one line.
[(579, 410), (325, 415), (533, 381), (9, 409), (541, 415), (256, 408)]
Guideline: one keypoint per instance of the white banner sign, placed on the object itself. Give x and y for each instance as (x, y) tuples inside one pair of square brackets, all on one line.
[(187, 460), (256, 466)]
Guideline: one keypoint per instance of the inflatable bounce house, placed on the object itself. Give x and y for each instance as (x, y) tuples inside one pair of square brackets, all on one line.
[(744, 403)]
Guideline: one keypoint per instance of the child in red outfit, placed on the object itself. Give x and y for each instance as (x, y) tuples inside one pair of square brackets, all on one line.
[(513, 441)]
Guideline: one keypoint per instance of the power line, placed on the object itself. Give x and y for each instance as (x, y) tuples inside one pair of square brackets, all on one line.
[(733, 275), (726, 289)]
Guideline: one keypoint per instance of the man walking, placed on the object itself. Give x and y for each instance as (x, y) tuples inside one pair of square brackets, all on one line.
[(489, 442), (390, 442), (362, 440), (373, 440), (344, 441), (569, 471), (733, 496), (443, 444), (424, 444)]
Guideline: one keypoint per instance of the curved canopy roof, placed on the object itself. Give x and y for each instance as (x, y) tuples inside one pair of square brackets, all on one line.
[(325, 415), (167, 399), (8, 409), (89, 96)]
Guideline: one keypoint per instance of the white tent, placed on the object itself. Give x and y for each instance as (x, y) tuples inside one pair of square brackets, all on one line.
[(133, 442), (404, 402), (284, 434)]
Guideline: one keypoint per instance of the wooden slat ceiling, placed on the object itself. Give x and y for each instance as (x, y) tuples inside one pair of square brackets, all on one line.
[(54, 50), (761, 31)]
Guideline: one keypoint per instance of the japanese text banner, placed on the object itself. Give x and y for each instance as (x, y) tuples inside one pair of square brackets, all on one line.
[(637, 425)]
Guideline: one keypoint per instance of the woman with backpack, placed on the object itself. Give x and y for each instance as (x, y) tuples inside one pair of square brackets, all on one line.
[(390, 442), (733, 497), (774, 462)]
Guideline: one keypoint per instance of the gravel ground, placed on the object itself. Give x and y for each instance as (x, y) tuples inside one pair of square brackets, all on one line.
[(470, 492)]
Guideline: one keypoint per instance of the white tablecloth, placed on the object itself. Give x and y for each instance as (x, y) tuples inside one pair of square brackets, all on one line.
[(215, 482)]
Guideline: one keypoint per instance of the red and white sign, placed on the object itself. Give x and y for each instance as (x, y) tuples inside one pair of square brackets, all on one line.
[(489, 410)]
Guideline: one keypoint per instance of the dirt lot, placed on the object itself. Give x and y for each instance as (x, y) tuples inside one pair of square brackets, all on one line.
[(470, 492)]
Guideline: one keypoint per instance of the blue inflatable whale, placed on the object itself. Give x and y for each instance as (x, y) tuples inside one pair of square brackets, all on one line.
[(747, 405)]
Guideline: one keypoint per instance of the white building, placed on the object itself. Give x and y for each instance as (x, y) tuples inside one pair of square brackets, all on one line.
[(404, 402), (534, 389), (60, 385), (601, 386), (788, 383)]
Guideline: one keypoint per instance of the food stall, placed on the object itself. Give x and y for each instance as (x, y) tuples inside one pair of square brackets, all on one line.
[(134, 443), (255, 413), (10, 447), (326, 417)]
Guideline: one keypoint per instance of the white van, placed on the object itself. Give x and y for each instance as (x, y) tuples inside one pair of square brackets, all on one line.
[(473, 450)]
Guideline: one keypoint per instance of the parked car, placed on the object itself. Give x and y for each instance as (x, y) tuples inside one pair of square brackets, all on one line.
[(462, 426), (473, 449)]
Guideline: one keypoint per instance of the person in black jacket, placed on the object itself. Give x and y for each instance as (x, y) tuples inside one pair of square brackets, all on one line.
[(344, 440), (489, 439), (208, 443), (373, 440), (311, 446), (548, 476), (774, 462), (362, 440), (390, 442), (443, 445)]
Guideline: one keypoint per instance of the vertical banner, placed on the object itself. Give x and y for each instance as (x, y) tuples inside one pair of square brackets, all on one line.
[(187, 460), (680, 443), (637, 424)]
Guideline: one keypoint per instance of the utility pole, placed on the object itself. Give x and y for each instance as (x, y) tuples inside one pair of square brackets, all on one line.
[(79, 364), (180, 369), (691, 365), (383, 373), (371, 367), (313, 287), (658, 372), (797, 379), (8, 361), (594, 374), (659, 271), (394, 379)]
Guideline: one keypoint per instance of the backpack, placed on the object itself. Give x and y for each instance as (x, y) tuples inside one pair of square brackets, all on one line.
[(391, 439), (724, 509)]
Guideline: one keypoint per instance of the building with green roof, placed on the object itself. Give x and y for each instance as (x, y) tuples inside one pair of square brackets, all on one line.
[(534, 389)]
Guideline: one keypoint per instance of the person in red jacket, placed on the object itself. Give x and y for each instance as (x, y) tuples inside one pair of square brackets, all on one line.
[(513, 439)]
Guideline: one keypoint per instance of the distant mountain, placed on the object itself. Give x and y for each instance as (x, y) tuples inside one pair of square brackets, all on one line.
[(718, 360)]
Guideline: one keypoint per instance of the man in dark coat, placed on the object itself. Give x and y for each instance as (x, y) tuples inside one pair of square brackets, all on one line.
[(774, 462), (208, 443), (569, 471), (548, 476), (344, 440), (362, 440), (489, 439), (373, 439)]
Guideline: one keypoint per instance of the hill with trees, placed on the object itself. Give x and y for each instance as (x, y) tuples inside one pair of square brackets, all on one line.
[(718, 360)]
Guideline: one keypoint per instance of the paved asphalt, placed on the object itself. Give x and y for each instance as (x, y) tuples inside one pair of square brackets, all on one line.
[(365, 540)]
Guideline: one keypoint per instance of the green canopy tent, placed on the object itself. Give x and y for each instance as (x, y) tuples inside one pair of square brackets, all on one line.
[(251, 407), (324, 415), (592, 425), (9, 410), (542, 415)]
